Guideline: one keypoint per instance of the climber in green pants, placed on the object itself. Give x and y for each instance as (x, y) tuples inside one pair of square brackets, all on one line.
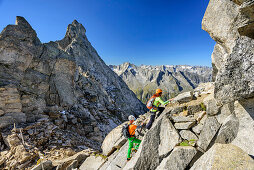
[(132, 139)]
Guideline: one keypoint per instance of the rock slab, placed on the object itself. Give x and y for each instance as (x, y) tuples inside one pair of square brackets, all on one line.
[(184, 97), (92, 163), (209, 130), (178, 159), (114, 140), (224, 156), (184, 125)]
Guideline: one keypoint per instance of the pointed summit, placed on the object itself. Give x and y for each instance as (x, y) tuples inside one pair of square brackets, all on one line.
[(22, 30), (75, 30), (21, 21)]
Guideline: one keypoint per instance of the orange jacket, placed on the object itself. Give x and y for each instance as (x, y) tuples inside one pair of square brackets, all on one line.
[(132, 129)]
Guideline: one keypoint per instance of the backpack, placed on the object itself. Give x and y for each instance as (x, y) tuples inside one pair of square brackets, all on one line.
[(150, 102), (125, 131)]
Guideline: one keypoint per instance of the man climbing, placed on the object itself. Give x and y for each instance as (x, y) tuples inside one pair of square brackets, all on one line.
[(153, 104), (132, 139)]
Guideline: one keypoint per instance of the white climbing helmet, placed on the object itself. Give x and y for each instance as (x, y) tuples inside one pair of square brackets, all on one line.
[(131, 117)]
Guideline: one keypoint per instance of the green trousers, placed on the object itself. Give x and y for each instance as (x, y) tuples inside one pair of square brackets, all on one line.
[(131, 141)]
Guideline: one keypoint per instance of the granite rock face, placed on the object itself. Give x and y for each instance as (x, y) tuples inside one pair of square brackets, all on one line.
[(66, 76), (230, 24), (244, 112), (224, 156), (228, 130), (114, 140), (144, 80), (210, 128), (178, 159)]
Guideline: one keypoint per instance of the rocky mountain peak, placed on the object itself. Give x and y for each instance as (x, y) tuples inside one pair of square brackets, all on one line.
[(22, 31), (144, 79), (75, 30), (21, 21), (64, 83)]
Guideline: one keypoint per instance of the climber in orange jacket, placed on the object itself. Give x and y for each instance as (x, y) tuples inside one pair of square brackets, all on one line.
[(132, 139)]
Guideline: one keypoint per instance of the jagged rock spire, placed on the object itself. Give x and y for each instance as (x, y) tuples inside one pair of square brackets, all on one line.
[(75, 30), (21, 21)]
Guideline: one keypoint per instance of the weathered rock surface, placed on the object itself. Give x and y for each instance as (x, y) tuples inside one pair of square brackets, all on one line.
[(78, 158), (224, 156), (204, 88), (228, 130), (212, 107), (188, 135), (145, 79), (244, 111), (194, 108), (179, 158), (11, 118), (230, 24), (235, 80), (92, 163), (114, 140), (225, 111), (117, 160), (47, 165), (184, 97), (209, 130), (184, 125), (180, 119), (17, 156), (199, 116)]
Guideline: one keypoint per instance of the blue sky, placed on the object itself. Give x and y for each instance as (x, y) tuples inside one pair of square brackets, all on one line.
[(137, 31)]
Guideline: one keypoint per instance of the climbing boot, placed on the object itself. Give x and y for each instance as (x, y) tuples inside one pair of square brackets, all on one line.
[(134, 150)]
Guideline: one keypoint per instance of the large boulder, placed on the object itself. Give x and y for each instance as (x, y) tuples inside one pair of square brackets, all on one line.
[(179, 158), (224, 156), (114, 140), (235, 80), (188, 135), (219, 22), (212, 107), (11, 118), (79, 158), (184, 125), (225, 111), (117, 160), (244, 112), (181, 119), (228, 130), (230, 24), (209, 130), (184, 97)]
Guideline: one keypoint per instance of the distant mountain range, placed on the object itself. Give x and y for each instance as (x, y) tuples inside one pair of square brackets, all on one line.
[(172, 79)]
